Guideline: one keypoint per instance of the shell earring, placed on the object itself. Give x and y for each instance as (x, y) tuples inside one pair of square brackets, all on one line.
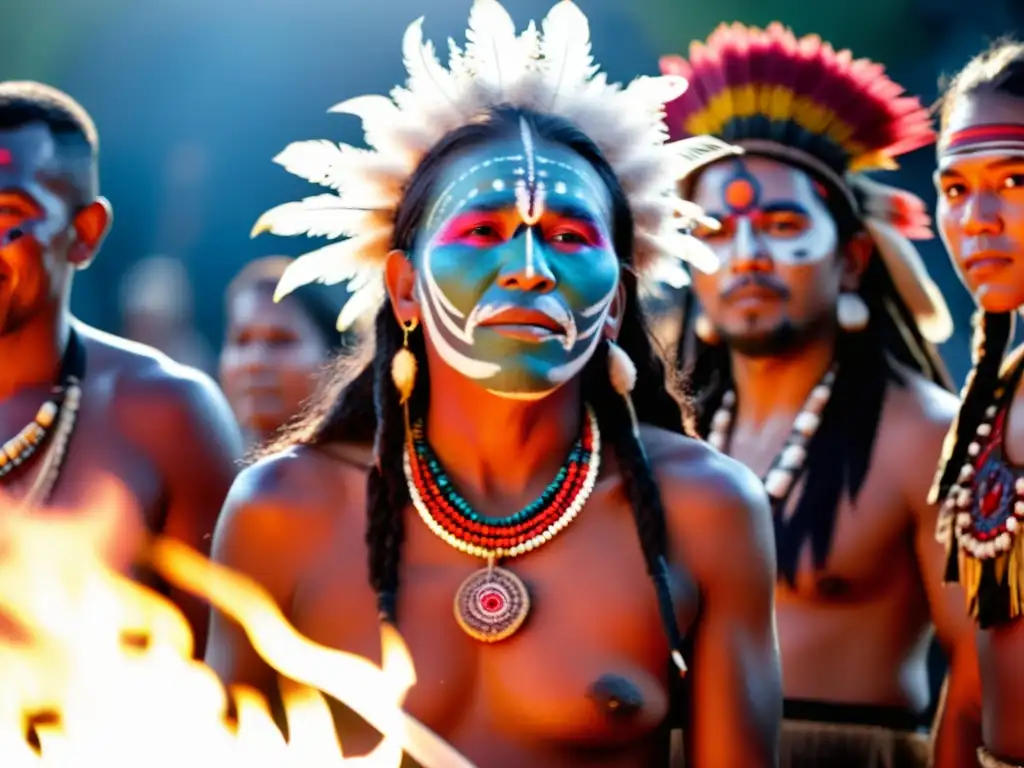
[(852, 313)]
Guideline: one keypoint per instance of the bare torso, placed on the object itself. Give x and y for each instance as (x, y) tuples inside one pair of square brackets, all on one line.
[(99, 445), (857, 631), (151, 426), (528, 700)]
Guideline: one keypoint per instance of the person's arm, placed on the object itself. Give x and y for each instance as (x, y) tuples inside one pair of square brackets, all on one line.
[(957, 729), (187, 429), (736, 709), (251, 538)]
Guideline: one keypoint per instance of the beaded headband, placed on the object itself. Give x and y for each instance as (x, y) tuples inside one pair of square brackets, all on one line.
[(801, 101), (551, 71)]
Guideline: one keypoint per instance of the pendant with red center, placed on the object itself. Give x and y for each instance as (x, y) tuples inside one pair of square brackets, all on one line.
[(492, 604)]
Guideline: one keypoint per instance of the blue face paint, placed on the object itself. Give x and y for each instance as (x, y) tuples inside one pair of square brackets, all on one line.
[(516, 271)]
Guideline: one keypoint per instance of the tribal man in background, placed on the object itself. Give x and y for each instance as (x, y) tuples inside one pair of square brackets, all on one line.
[(77, 404), (814, 364)]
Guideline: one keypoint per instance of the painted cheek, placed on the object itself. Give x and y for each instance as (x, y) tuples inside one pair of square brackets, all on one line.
[(585, 279), (462, 273)]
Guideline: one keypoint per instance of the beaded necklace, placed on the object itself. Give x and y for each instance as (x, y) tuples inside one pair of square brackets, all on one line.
[(788, 464), (981, 517), (492, 603), (59, 411)]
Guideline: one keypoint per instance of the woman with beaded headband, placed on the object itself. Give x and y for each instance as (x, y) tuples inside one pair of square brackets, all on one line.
[(812, 361), (980, 180), (509, 452)]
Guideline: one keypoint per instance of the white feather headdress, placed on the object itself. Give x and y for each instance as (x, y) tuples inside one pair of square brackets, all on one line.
[(549, 71)]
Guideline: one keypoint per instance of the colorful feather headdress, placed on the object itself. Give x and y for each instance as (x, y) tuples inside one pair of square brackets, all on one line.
[(549, 71), (801, 101)]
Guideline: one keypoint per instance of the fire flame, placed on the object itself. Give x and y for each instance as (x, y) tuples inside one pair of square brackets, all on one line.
[(109, 661)]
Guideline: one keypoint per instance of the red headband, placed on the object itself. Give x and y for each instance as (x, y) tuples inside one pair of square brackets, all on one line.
[(996, 136)]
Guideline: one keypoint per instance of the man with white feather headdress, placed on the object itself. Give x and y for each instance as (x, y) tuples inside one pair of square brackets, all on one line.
[(510, 446)]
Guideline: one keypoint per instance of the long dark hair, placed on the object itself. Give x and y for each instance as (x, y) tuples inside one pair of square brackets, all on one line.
[(362, 404), (839, 454), (999, 70)]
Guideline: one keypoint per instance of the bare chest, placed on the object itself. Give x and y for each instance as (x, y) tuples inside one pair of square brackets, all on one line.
[(870, 550), (95, 454), (845, 554), (593, 617)]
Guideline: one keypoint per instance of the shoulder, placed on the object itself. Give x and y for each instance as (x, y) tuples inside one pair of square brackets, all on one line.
[(280, 504), (151, 394), (915, 422), (717, 509), (920, 405)]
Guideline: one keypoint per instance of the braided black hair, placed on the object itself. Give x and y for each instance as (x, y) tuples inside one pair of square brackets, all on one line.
[(998, 70), (345, 415), (839, 453)]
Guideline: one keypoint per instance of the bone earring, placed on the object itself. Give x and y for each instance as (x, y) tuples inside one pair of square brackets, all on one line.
[(705, 330), (403, 370), (622, 375), (852, 313)]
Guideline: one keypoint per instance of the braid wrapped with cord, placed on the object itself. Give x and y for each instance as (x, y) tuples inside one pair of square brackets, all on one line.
[(992, 336)]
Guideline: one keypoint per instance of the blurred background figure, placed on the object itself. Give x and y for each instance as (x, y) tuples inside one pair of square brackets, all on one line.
[(156, 310), (274, 352)]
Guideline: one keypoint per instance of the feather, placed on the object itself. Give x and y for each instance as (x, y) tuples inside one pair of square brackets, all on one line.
[(387, 129), (340, 166), (566, 50), (655, 92), (667, 270), (698, 151), (337, 262), (911, 280), (362, 302), (426, 75), (549, 71), (320, 216), (491, 45), (685, 247)]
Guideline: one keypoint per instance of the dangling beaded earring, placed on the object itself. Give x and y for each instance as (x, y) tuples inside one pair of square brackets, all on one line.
[(403, 371), (852, 313), (705, 330), (622, 375)]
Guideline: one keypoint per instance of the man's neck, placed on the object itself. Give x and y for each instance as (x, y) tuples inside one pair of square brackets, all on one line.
[(770, 386), (500, 452), (30, 356)]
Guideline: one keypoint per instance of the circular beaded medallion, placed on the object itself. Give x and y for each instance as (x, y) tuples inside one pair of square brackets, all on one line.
[(492, 604)]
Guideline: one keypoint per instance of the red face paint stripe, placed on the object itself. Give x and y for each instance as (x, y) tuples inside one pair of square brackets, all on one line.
[(986, 134), (5, 156)]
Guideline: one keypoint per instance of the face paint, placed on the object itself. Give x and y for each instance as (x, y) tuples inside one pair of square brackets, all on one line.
[(516, 271), (34, 223), (780, 276), (980, 212), (29, 165), (787, 223)]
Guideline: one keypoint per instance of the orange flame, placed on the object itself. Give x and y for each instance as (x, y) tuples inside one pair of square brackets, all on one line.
[(66, 609)]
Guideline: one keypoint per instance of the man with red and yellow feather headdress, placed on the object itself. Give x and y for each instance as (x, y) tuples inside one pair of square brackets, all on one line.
[(812, 362)]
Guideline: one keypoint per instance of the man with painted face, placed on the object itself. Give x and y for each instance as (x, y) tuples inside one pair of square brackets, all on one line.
[(77, 404), (980, 181), (488, 461), (812, 362)]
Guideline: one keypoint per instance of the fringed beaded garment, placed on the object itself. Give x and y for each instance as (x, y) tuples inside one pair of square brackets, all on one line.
[(983, 513)]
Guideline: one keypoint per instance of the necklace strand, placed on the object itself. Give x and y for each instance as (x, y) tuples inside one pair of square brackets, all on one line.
[(788, 463)]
